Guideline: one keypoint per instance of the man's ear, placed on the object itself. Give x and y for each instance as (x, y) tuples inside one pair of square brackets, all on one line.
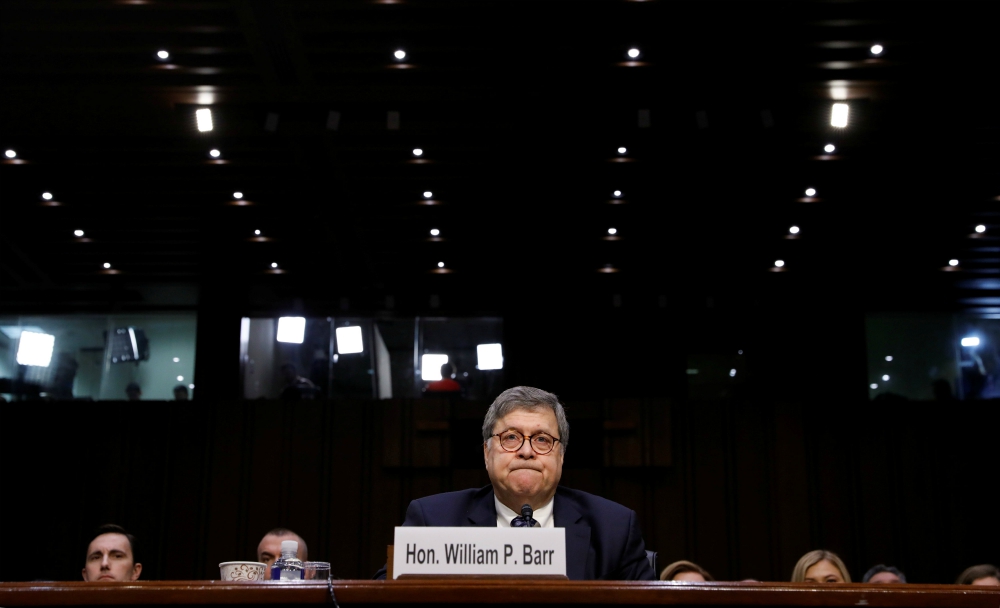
[(486, 451), (83, 573), (136, 570)]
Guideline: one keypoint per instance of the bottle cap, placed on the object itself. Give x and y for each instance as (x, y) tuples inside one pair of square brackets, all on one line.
[(290, 546)]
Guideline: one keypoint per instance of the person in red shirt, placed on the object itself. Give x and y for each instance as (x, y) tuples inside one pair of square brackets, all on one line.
[(447, 382)]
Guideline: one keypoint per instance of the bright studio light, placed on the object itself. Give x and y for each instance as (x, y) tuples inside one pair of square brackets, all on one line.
[(214, 153), (634, 53), (732, 373), (622, 150), (838, 115), (612, 231), (793, 230), (204, 117), (47, 196), (349, 340), (435, 232), (256, 232), (237, 195), (888, 357), (873, 386), (980, 228), (430, 366), (490, 356), (10, 154), (418, 151), (78, 233), (177, 359), (400, 54), (885, 377), (967, 341), (35, 348), (877, 49), (274, 264), (180, 378), (953, 262), (829, 148), (779, 263), (164, 55), (107, 265), (440, 264), (616, 193), (428, 194), (810, 191), (291, 330)]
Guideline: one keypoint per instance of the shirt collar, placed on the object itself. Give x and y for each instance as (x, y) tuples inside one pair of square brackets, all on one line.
[(543, 514)]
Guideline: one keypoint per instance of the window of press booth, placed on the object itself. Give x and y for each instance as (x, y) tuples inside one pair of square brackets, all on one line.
[(144, 356), (370, 358)]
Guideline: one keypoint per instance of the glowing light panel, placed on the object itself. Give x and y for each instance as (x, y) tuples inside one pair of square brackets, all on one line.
[(214, 153), (612, 231), (838, 116), (967, 341), (793, 230), (953, 262), (622, 150), (810, 191), (616, 193), (490, 356), (779, 263), (428, 194), (78, 233), (291, 330), (418, 152), (237, 195), (633, 52), (35, 348), (204, 118), (400, 54), (47, 196), (877, 49), (163, 55), (430, 366), (435, 232), (349, 340), (829, 148), (10, 154), (980, 228)]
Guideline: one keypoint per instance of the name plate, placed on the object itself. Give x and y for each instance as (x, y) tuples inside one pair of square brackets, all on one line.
[(478, 551)]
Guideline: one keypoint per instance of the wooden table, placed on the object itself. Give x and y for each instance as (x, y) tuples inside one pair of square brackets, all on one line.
[(507, 592)]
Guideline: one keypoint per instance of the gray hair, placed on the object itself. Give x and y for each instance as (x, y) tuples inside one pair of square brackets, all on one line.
[(526, 398), (883, 568)]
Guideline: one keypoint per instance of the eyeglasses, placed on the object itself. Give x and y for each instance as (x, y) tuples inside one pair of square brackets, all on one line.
[(541, 443)]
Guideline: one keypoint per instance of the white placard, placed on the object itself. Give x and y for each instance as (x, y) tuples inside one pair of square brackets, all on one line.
[(446, 551)]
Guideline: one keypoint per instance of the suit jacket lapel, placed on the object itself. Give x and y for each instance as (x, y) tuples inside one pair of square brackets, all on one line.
[(483, 513), (577, 537)]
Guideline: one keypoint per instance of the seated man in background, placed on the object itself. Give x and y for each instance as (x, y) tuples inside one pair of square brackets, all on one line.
[(111, 556), (447, 383), (525, 434), (269, 548), (180, 393), (883, 574)]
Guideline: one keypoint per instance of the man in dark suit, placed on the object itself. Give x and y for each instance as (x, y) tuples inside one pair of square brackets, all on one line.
[(525, 434)]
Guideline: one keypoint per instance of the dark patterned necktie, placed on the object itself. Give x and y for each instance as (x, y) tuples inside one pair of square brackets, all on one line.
[(524, 520)]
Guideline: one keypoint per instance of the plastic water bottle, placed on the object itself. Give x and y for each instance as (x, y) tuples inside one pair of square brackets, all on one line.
[(288, 567)]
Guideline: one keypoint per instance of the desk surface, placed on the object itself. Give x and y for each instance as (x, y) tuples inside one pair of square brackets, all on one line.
[(507, 592)]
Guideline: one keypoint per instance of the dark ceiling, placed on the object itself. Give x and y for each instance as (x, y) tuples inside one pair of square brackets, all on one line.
[(520, 108)]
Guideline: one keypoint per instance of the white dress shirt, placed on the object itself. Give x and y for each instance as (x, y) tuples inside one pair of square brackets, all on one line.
[(542, 515)]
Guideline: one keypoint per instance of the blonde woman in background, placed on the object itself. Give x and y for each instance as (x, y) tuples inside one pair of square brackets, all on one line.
[(685, 571), (820, 566)]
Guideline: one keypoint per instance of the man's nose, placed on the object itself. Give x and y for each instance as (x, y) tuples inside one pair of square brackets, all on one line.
[(526, 452), (105, 562)]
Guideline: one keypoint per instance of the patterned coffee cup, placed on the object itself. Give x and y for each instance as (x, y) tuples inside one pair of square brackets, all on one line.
[(242, 572)]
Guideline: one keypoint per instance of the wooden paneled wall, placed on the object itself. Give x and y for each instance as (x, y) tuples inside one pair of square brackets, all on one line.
[(743, 489)]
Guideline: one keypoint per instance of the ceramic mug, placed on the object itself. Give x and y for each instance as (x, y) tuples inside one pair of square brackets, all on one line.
[(242, 572)]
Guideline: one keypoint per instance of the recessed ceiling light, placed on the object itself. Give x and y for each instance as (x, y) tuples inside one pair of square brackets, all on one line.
[(779, 263), (873, 386), (435, 232), (980, 228), (622, 150), (10, 154), (810, 191), (970, 341), (953, 262), (163, 55), (400, 54), (877, 49), (612, 231), (204, 118), (256, 232), (47, 196), (107, 264), (78, 233), (180, 378), (274, 264), (634, 53), (214, 153), (440, 264), (838, 115), (418, 151), (177, 359), (616, 193), (793, 230), (888, 357), (829, 148), (885, 377), (428, 194), (237, 195)]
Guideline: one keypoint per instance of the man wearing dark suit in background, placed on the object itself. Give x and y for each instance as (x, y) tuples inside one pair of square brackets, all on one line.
[(525, 434)]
